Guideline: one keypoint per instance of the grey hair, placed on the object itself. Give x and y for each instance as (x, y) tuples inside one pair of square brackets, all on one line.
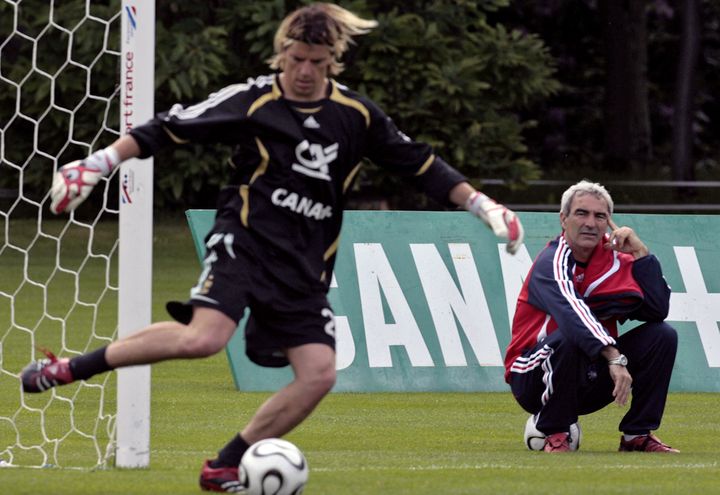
[(580, 189)]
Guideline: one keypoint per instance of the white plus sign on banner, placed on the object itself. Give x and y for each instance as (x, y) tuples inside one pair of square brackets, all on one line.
[(697, 304)]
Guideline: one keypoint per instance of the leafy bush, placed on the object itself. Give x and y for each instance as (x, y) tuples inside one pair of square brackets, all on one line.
[(444, 73)]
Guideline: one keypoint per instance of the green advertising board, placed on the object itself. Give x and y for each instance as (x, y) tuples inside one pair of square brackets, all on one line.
[(423, 300)]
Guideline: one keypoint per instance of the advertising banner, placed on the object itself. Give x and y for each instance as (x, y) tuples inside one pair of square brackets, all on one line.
[(423, 300)]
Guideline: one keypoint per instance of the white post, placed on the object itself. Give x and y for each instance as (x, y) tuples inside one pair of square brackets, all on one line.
[(136, 218)]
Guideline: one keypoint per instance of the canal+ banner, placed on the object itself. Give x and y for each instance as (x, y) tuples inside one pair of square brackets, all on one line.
[(423, 300)]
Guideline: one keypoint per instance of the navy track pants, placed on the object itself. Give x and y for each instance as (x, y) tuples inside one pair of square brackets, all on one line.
[(567, 384)]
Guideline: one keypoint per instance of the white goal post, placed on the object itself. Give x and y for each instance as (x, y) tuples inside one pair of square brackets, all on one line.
[(137, 91), (74, 76)]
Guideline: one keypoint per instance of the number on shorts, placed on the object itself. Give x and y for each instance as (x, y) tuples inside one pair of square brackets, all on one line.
[(330, 325)]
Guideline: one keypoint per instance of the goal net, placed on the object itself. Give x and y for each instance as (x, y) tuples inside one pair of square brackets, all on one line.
[(62, 96)]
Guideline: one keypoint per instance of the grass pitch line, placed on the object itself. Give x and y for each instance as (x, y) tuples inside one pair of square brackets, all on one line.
[(492, 465)]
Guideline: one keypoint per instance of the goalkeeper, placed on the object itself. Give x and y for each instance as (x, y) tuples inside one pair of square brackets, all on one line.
[(299, 139)]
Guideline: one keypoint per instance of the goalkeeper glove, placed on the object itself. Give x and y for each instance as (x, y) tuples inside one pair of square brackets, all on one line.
[(73, 182), (503, 221)]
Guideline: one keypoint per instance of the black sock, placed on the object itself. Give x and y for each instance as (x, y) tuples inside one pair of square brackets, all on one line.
[(90, 364), (231, 454)]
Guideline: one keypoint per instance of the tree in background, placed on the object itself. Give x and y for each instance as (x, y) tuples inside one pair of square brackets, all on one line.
[(450, 78), (440, 68), (469, 77), (606, 51), (627, 133), (685, 89)]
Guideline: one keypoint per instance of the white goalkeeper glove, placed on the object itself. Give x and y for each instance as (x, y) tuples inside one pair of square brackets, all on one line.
[(503, 221), (73, 182)]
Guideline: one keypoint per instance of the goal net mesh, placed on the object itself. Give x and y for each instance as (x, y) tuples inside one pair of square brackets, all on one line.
[(59, 101)]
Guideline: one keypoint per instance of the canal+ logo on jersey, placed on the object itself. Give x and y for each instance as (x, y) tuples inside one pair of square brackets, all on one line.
[(314, 159)]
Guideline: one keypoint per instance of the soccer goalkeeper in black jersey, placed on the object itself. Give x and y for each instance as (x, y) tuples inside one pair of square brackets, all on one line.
[(299, 139)]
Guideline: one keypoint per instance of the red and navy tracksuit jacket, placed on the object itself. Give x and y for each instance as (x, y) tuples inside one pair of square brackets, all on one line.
[(585, 299), (566, 313)]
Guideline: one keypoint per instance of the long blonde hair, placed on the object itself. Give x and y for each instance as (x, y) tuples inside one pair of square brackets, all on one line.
[(319, 24)]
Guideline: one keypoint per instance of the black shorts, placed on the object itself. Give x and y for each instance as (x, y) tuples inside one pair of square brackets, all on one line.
[(234, 278)]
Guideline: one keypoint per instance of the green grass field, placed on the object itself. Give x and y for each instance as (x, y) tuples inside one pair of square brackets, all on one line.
[(422, 443)]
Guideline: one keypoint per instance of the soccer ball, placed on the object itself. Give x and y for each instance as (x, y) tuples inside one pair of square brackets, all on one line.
[(535, 439), (273, 466)]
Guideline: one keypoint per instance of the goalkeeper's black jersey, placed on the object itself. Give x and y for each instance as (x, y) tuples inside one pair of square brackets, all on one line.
[(294, 163)]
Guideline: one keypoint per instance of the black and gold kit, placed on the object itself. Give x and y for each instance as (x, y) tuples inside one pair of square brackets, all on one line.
[(294, 163)]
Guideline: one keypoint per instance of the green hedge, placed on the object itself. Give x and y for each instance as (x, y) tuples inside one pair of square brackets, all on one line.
[(444, 73)]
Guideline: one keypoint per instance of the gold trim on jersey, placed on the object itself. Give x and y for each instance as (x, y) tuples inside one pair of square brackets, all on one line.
[(245, 188), (332, 249), (274, 94), (337, 96), (351, 176), (265, 159), (244, 211), (426, 165), (308, 110), (174, 137), (329, 253)]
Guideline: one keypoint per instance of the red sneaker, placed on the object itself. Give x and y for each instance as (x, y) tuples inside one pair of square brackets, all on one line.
[(220, 479), (645, 443), (46, 373), (557, 442)]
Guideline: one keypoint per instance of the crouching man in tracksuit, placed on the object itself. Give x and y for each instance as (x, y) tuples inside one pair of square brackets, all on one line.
[(565, 357)]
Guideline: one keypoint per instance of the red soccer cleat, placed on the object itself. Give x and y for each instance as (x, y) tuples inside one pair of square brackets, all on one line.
[(46, 373), (220, 479), (645, 443), (557, 442)]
